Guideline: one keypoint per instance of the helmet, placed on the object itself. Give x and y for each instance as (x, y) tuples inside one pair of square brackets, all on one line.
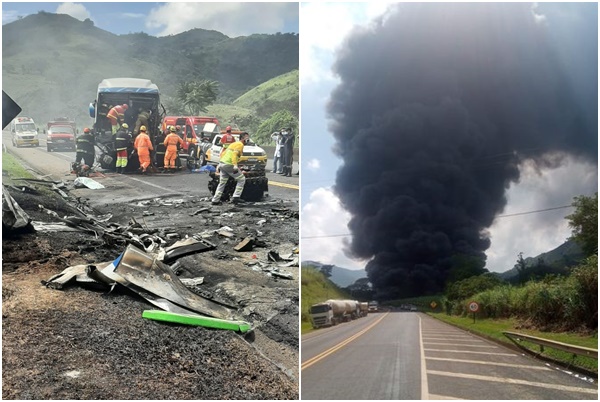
[(228, 128), (143, 128), (86, 130), (172, 129), (178, 127), (125, 106), (125, 125)]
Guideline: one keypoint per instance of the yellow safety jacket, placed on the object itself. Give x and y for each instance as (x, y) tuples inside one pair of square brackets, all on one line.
[(233, 153)]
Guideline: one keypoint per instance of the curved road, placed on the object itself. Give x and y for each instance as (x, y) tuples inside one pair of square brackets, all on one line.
[(403, 355)]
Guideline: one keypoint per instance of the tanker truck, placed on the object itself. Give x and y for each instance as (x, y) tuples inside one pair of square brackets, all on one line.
[(333, 312), (364, 309)]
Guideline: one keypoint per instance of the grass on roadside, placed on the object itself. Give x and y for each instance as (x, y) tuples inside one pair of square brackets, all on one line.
[(494, 328), (12, 168)]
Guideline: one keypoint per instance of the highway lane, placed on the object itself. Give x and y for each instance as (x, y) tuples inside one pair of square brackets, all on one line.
[(405, 355), (56, 165), (378, 363)]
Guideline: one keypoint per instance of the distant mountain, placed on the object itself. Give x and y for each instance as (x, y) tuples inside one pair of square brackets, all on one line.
[(343, 277), (52, 63), (558, 260)]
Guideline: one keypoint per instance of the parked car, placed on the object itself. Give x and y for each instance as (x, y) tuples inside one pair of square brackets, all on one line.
[(61, 134), (253, 154)]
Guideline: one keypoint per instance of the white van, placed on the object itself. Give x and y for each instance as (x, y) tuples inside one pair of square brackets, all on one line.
[(24, 132)]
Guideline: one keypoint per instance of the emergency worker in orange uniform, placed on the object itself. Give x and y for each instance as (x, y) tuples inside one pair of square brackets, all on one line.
[(116, 115), (143, 146), (172, 141)]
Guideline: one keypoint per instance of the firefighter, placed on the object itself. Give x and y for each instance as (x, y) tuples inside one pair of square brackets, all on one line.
[(143, 119), (116, 116), (143, 146), (226, 140), (121, 143), (172, 142), (85, 148), (228, 168)]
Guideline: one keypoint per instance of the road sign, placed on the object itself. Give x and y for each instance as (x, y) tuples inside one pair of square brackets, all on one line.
[(473, 307), (433, 304)]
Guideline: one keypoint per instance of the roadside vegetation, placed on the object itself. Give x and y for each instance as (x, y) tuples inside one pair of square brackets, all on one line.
[(316, 288), (11, 169), (560, 307)]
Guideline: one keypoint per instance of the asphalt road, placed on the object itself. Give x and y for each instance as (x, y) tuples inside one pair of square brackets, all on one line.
[(405, 355), (56, 165)]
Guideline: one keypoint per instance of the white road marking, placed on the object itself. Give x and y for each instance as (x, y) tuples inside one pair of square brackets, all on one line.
[(471, 346), (469, 351), (504, 380), (150, 184), (440, 397), (424, 385), (489, 363)]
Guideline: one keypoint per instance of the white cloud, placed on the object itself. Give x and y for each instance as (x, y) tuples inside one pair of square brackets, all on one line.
[(324, 26), (538, 18), (537, 233), (313, 164), (324, 215), (9, 16), (75, 10), (232, 19)]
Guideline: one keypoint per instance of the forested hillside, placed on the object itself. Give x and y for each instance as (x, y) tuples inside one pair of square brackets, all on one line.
[(52, 63)]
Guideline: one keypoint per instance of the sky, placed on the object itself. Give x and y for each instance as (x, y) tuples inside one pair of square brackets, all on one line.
[(323, 219), (161, 19)]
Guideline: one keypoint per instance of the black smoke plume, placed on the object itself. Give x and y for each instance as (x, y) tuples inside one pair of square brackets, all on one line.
[(438, 104)]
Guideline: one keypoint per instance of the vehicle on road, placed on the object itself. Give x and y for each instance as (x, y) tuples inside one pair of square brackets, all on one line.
[(253, 155), (193, 129), (373, 306), (138, 94), (364, 309), (61, 134), (333, 312), (24, 132)]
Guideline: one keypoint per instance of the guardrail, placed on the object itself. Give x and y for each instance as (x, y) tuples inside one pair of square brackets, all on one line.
[(565, 347)]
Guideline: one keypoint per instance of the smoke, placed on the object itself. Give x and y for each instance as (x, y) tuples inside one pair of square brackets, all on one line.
[(438, 105)]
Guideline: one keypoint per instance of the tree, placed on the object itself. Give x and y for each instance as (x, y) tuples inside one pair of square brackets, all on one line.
[(197, 95), (278, 120), (584, 222), (471, 286), (521, 268)]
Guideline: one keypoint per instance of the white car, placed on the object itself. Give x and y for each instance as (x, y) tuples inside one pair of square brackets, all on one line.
[(253, 154)]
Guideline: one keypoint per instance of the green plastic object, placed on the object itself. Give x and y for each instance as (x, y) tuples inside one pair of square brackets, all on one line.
[(197, 320)]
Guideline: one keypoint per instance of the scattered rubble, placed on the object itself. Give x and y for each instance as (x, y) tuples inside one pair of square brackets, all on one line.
[(76, 244)]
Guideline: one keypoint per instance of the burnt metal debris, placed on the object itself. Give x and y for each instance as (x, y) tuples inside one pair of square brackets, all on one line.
[(14, 218)]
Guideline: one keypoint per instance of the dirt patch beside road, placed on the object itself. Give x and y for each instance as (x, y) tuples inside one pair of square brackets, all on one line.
[(83, 343)]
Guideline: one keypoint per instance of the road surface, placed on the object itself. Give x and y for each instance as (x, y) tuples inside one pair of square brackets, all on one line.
[(406, 355), (121, 188)]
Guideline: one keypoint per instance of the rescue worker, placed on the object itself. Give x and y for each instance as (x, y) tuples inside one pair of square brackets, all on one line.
[(172, 142), (288, 151), (116, 116), (121, 143), (143, 119), (226, 140), (143, 146), (277, 157), (85, 148), (228, 168)]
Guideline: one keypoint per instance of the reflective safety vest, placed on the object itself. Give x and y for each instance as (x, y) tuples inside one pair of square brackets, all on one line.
[(233, 153)]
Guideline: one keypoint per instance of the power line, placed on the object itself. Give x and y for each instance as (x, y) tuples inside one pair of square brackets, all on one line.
[(499, 216)]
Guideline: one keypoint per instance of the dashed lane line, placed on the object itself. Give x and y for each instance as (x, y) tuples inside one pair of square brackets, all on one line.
[(504, 380)]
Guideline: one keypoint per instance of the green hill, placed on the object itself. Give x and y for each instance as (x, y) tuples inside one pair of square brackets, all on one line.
[(282, 92), (53, 63), (316, 288)]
